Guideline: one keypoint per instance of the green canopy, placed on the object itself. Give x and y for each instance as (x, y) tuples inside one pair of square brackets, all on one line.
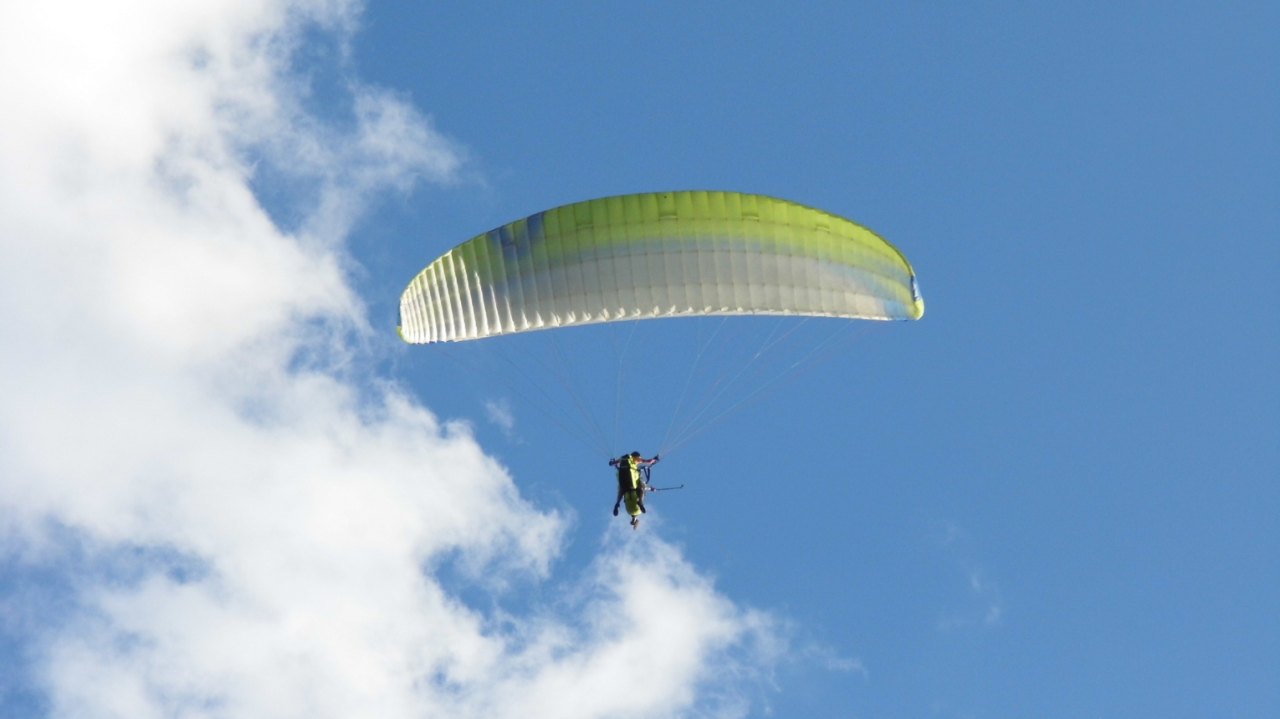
[(661, 254)]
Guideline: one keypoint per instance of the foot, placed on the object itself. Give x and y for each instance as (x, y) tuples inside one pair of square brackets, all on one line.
[(615, 511)]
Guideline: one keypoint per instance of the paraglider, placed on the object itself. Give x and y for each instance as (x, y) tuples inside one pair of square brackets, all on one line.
[(633, 483), (658, 255)]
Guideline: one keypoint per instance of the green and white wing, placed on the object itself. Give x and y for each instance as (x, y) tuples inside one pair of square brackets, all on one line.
[(666, 254)]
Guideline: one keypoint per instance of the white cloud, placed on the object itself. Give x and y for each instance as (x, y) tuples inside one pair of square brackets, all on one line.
[(150, 315)]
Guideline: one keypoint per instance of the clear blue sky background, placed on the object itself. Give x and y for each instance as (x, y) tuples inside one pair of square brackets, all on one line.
[(1055, 496)]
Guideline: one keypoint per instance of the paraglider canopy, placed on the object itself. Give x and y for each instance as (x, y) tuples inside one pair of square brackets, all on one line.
[(654, 255)]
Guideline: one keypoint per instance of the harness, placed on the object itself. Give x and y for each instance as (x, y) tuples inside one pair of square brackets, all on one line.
[(629, 475), (632, 483)]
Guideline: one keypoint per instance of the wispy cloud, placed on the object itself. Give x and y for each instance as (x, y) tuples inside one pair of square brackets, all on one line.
[(278, 513), (499, 413), (985, 605)]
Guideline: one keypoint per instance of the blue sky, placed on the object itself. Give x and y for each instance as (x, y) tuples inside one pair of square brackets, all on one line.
[(1084, 423), (1054, 496)]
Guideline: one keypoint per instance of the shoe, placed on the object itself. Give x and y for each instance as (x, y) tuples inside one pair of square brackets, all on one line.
[(615, 511)]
